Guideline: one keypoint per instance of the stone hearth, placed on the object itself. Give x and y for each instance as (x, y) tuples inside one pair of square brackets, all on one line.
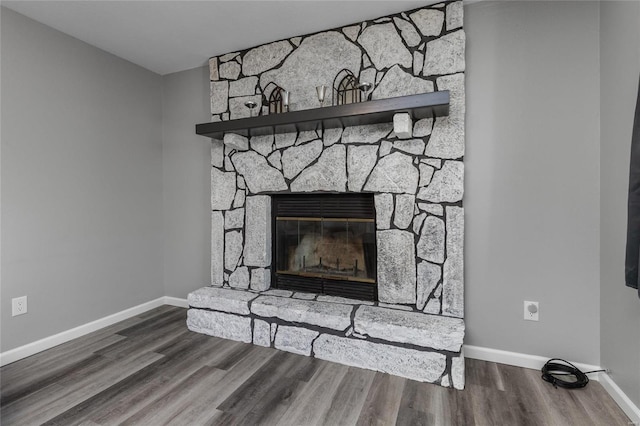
[(388, 338), (417, 183)]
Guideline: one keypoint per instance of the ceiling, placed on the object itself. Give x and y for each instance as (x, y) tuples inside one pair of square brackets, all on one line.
[(171, 36)]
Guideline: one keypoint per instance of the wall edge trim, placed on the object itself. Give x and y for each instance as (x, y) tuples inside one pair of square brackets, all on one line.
[(49, 342), (536, 362)]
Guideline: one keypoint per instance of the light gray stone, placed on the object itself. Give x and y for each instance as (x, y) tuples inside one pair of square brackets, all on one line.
[(223, 189), (385, 148), (431, 244), (240, 182), (352, 32), (229, 70), (243, 87), (344, 300), (295, 339), (455, 15), (326, 53), (260, 279), (447, 137), (428, 278), (422, 128), (445, 382), (284, 140), (238, 201), (232, 249), (213, 69), (234, 219), (229, 56), (428, 331), (331, 136), (428, 21), (297, 158), (396, 274), (394, 173), (217, 248), (219, 96), (453, 274), (417, 223), (404, 210), (323, 314), (384, 210), (360, 162), (261, 333), (457, 370), (238, 109), (366, 62), (435, 209), (384, 46), (403, 362), (221, 299), (218, 324), (258, 174), (402, 125), (434, 162), (262, 144), (278, 293), (445, 55), (328, 174), (418, 62), (304, 296), (411, 146), (217, 153), (239, 278), (369, 133), (447, 184), (408, 32), (228, 165), (235, 141), (275, 159), (257, 250), (426, 174), (306, 136), (397, 82), (433, 306), (265, 57)]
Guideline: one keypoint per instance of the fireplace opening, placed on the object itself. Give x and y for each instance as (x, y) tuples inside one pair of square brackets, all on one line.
[(325, 243)]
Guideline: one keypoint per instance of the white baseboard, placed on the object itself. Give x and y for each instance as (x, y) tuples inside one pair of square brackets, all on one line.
[(176, 301), (629, 408), (536, 362), (29, 349)]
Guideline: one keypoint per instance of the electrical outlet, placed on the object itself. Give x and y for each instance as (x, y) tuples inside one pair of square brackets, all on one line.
[(18, 306), (531, 311)]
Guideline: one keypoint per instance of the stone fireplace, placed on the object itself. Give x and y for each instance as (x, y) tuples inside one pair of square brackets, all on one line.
[(274, 272)]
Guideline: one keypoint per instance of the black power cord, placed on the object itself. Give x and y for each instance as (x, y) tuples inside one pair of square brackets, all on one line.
[(562, 373)]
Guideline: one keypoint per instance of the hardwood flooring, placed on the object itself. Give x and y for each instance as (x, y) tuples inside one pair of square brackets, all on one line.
[(150, 370)]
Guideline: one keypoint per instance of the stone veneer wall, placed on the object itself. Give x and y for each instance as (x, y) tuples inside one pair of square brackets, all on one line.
[(417, 182)]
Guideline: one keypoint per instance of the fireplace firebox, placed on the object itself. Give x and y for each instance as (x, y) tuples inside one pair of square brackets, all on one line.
[(325, 243)]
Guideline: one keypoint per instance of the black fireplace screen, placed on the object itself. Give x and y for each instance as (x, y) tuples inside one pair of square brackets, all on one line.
[(325, 244)]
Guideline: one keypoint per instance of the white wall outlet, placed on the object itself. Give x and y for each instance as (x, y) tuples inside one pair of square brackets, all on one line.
[(18, 306), (531, 311)]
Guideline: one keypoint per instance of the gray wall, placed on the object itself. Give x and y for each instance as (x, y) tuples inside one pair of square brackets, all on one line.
[(186, 182), (81, 182), (532, 198), (619, 305)]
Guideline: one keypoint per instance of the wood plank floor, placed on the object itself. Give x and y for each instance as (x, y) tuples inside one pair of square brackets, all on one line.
[(150, 370)]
